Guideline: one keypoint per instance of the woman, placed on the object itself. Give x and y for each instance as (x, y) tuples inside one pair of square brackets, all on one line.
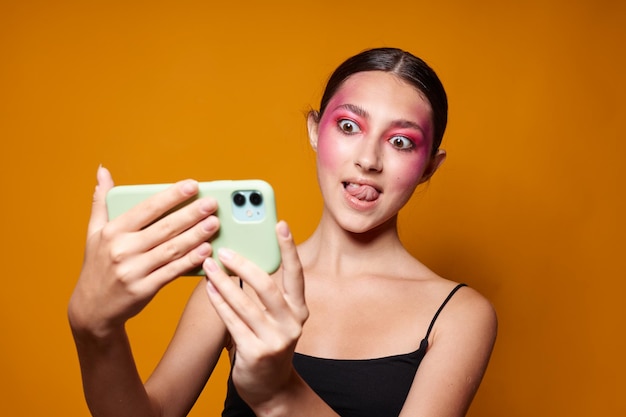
[(351, 341)]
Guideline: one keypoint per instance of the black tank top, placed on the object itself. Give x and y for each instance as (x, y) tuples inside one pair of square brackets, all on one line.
[(353, 387)]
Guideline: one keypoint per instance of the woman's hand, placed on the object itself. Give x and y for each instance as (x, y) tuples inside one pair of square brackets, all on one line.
[(265, 332), (128, 260)]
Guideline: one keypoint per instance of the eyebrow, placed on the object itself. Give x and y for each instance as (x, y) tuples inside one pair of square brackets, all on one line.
[(401, 123), (359, 111)]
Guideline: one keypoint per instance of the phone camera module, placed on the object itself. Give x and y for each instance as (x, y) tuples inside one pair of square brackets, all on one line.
[(248, 205), (239, 199), (256, 198)]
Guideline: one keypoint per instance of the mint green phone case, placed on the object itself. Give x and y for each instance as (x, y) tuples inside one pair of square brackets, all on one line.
[(247, 229)]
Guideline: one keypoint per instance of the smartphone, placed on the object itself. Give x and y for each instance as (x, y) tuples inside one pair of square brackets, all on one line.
[(246, 210)]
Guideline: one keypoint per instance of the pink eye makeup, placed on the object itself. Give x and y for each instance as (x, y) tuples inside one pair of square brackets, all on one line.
[(406, 136), (349, 118), (402, 143), (402, 134), (348, 126)]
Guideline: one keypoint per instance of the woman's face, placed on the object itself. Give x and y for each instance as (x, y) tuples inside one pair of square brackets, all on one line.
[(373, 146)]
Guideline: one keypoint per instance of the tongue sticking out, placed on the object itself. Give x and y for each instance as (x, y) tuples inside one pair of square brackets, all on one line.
[(362, 192)]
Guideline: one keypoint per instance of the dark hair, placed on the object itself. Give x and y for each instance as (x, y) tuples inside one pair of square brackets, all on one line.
[(407, 67)]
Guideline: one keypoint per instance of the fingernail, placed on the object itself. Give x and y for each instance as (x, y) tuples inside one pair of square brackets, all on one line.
[(225, 253), (210, 224), (190, 186), (283, 229), (210, 265), (207, 206), (99, 172), (204, 250)]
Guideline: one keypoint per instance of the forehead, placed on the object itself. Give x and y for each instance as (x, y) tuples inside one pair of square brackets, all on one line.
[(383, 93)]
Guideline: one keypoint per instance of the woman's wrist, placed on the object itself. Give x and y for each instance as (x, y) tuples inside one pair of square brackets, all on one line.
[(88, 331)]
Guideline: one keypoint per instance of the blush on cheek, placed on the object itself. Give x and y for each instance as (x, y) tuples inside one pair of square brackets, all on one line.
[(411, 173), (326, 148), (326, 154)]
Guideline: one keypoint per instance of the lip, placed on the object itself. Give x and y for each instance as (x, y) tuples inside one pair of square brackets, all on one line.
[(361, 181), (356, 203)]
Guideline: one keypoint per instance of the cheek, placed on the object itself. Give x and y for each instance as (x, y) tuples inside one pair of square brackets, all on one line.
[(328, 151), (409, 174), (326, 156)]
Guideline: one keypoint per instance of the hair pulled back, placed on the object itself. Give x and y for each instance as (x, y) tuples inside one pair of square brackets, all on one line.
[(407, 67)]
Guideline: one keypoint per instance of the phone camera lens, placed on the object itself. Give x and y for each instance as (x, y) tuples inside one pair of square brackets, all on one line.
[(239, 199), (256, 198)]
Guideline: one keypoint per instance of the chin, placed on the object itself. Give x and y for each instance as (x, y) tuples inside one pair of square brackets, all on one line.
[(361, 226)]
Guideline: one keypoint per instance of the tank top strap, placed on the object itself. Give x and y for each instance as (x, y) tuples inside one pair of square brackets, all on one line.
[(432, 323)]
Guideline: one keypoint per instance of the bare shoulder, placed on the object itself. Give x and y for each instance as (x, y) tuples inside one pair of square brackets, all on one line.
[(463, 306), (467, 299), (465, 303), (459, 349), (468, 317)]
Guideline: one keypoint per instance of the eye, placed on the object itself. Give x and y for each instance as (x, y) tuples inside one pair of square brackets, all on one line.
[(348, 126), (401, 142)]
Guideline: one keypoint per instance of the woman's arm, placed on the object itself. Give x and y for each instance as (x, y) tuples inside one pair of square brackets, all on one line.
[(190, 358), (113, 386), (111, 383), (456, 360), (127, 261)]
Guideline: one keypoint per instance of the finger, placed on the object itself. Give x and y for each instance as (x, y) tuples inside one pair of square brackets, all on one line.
[(172, 258), (148, 285), (293, 276), (269, 293), (178, 246), (177, 223), (172, 270), (151, 209), (234, 307), (99, 215)]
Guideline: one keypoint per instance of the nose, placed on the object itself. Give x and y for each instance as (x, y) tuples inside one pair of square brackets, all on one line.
[(368, 155)]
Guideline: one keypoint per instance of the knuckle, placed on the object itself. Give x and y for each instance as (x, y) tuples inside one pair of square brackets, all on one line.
[(303, 314), (294, 334), (123, 274), (294, 268), (267, 286), (166, 226), (108, 232), (294, 330), (151, 207), (193, 259), (170, 250), (167, 271), (277, 344), (139, 292), (117, 254)]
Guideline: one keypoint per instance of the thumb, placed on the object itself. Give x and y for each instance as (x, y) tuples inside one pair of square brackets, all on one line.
[(99, 216), (293, 277)]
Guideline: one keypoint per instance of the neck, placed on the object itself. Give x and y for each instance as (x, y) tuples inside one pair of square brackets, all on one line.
[(332, 250)]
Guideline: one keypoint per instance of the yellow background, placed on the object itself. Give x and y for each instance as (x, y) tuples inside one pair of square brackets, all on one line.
[(529, 207)]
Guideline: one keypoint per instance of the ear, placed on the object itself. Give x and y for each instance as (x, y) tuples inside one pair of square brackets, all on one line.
[(312, 126), (435, 162)]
